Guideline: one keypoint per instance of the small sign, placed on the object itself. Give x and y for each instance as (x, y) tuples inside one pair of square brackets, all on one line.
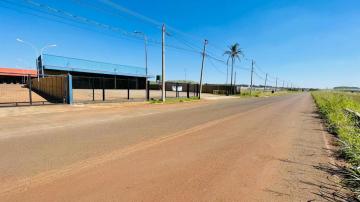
[(158, 78), (174, 88)]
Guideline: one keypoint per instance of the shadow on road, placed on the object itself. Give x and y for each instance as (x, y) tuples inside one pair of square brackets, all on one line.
[(334, 190)]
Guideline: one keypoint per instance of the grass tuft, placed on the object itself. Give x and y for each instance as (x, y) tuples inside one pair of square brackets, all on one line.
[(173, 100)]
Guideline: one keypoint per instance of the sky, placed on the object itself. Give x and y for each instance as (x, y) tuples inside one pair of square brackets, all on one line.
[(309, 43)]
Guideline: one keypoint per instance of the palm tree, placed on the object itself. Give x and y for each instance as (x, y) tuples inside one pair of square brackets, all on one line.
[(234, 53)]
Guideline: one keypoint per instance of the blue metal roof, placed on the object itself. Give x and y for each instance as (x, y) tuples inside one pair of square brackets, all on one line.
[(53, 62)]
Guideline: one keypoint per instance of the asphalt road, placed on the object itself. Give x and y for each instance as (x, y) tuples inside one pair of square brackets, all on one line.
[(264, 149)]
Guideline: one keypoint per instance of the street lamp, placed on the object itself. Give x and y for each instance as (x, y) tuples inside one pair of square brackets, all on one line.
[(41, 54), (37, 53), (146, 55)]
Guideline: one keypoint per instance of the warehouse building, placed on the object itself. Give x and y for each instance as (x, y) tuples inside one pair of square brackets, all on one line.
[(87, 73), (15, 75)]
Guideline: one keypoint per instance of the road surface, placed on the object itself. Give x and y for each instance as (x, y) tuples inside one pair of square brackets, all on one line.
[(261, 149)]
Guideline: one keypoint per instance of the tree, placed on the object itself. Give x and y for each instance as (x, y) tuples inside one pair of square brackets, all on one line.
[(234, 53)]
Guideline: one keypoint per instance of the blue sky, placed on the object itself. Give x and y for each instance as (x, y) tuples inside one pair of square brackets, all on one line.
[(312, 43)]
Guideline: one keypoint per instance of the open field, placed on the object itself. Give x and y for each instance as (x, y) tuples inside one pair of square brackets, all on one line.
[(265, 149)]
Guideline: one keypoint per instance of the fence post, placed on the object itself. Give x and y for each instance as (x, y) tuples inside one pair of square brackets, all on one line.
[(30, 96), (176, 90), (70, 92), (148, 91), (197, 90), (188, 90), (128, 88), (93, 89), (103, 88)]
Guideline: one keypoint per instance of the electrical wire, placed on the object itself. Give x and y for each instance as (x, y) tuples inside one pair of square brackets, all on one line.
[(70, 19)]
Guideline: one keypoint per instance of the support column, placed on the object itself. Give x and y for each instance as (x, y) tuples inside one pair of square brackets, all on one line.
[(69, 90), (30, 95)]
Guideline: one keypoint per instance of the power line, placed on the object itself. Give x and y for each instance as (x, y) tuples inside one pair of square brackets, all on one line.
[(225, 63), (144, 18), (157, 23), (72, 18), (133, 13), (214, 66), (42, 8), (82, 20), (152, 21)]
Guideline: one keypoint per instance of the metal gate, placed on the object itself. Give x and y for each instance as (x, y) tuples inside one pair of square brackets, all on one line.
[(34, 91), (104, 89)]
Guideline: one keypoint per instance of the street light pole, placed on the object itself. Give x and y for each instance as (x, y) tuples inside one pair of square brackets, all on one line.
[(163, 90), (146, 57), (37, 54), (41, 55)]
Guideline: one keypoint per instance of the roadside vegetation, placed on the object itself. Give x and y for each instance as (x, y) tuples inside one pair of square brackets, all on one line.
[(333, 108), (258, 93), (174, 100)]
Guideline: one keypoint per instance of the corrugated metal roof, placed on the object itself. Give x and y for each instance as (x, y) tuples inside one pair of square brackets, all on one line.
[(16, 72), (54, 62)]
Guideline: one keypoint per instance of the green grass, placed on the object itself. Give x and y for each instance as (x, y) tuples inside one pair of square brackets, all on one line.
[(258, 93), (332, 107), (174, 100)]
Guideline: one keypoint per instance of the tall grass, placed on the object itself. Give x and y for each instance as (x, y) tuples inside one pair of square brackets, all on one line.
[(332, 107), (174, 100), (260, 93)]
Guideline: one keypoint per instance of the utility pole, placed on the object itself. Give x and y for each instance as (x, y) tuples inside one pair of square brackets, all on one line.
[(283, 85), (265, 82), (163, 63), (252, 72), (202, 66), (146, 63), (276, 84)]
